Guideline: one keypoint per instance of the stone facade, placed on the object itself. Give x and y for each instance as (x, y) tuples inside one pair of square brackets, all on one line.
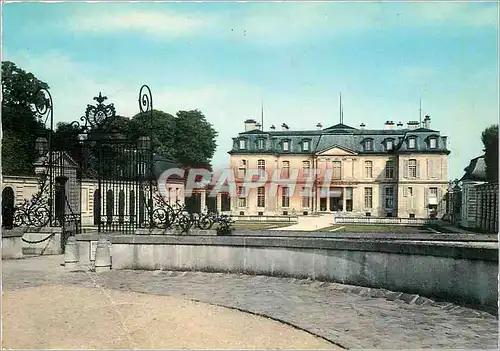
[(391, 172)]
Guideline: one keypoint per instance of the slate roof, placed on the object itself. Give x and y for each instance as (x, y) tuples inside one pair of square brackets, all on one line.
[(340, 135), (476, 170)]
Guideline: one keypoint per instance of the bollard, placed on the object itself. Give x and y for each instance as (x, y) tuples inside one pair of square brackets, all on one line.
[(102, 256), (71, 255)]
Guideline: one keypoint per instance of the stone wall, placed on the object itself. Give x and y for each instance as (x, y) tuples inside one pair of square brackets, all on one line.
[(456, 271), (11, 244)]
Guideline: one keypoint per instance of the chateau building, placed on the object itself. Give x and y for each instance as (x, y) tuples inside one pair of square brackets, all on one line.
[(394, 171)]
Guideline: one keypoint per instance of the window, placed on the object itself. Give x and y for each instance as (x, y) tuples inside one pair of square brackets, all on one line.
[(261, 196), (242, 169), (389, 169), (306, 199), (368, 145), (286, 145), (433, 143), (261, 166), (389, 145), (412, 168), (305, 145), (169, 195), (348, 199), (431, 169), (285, 173), (306, 168), (368, 197), (409, 197), (368, 169), (337, 170), (242, 200), (433, 192), (389, 197), (242, 144), (411, 143), (260, 144), (285, 198)]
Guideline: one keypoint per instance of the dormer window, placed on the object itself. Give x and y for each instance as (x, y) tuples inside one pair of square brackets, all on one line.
[(242, 144), (286, 145), (389, 145), (260, 144), (433, 143), (412, 143), (368, 145), (306, 145)]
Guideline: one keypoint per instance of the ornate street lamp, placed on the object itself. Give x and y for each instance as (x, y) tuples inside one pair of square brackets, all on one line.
[(144, 143), (41, 145)]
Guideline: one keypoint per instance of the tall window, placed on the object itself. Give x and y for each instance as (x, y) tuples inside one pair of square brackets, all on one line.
[(348, 199), (261, 166), (368, 169), (389, 169), (286, 170), (368, 145), (242, 144), (285, 197), (368, 197), (306, 197), (389, 197), (412, 168), (286, 145), (433, 192), (261, 196), (242, 169), (431, 169), (432, 143), (337, 169), (305, 145), (409, 197), (411, 143), (306, 168), (242, 200), (260, 144)]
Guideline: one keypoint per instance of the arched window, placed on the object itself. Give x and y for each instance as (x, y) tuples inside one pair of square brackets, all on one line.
[(110, 204), (8, 201), (121, 206), (97, 207), (132, 206)]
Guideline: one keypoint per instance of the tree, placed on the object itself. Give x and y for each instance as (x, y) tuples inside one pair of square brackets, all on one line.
[(162, 127), (489, 138), (21, 126), (194, 139)]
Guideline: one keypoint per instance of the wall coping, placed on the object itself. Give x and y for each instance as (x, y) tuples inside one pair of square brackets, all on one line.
[(12, 233), (445, 249)]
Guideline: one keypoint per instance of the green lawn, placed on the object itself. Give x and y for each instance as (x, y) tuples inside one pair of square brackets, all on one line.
[(375, 228)]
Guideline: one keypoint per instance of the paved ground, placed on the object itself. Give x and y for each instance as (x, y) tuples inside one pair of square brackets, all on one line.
[(94, 318), (310, 223), (350, 317)]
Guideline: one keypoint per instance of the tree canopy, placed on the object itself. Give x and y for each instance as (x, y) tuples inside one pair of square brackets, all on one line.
[(489, 138), (21, 126)]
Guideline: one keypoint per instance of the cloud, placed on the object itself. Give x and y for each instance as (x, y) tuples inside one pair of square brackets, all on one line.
[(164, 24), (283, 23)]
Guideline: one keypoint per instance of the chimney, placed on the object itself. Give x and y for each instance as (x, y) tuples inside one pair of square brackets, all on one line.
[(362, 126), (273, 127), (400, 125), (319, 126), (284, 126), (258, 126), (250, 125), (389, 124), (413, 125), (427, 122)]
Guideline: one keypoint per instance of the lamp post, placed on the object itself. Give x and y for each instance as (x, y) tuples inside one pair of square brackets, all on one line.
[(41, 145)]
